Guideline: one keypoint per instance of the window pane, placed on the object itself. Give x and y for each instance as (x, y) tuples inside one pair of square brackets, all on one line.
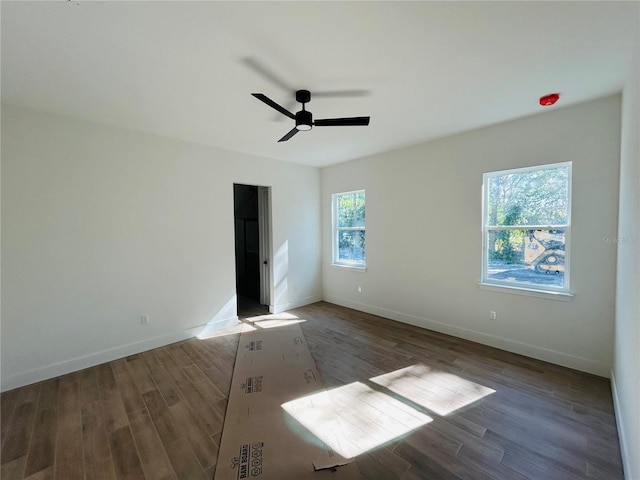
[(350, 210), (526, 256), (538, 197), (351, 245)]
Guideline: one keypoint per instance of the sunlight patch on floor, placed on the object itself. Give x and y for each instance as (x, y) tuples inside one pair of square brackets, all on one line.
[(233, 330), (274, 320), (435, 390), (354, 418)]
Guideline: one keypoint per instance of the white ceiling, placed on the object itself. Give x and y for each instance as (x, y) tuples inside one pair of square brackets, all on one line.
[(186, 69)]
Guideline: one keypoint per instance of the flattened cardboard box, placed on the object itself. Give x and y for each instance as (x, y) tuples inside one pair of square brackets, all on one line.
[(260, 440)]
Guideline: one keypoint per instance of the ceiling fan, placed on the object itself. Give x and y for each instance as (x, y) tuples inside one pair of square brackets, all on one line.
[(304, 118)]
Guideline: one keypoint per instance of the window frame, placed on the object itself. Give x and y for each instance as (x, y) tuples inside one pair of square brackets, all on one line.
[(335, 230), (523, 287)]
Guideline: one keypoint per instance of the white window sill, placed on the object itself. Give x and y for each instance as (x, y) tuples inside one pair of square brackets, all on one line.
[(529, 292), (349, 267)]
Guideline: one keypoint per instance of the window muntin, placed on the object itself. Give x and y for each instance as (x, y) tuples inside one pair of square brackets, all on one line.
[(349, 229), (526, 223)]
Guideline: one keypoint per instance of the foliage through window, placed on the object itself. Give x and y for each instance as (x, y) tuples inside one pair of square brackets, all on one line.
[(349, 229), (526, 227)]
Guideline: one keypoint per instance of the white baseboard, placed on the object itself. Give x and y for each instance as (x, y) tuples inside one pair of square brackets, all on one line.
[(622, 435), (540, 353), (72, 365), (301, 302)]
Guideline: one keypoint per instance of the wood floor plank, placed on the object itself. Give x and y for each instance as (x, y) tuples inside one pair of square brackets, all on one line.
[(94, 434), (203, 446), (466, 424), (534, 438), (218, 353), (150, 359), (370, 469), (604, 455), (44, 474), (131, 398), (201, 405), (69, 452), (125, 456), (594, 418), (113, 410), (69, 414), (88, 386), (203, 383), (165, 384), (540, 425), (70, 377), (228, 349), (203, 349), (392, 462), (166, 425), (382, 463), (208, 414), (8, 402), (43, 442), (21, 428), (555, 461), (221, 376), (154, 459), (14, 469), (473, 449), (194, 355), (178, 355), (416, 474), (439, 463), (138, 372), (101, 470), (184, 461), (599, 472), (483, 457), (210, 473), (527, 469)]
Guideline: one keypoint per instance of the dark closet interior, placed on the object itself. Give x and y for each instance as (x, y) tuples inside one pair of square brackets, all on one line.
[(245, 202)]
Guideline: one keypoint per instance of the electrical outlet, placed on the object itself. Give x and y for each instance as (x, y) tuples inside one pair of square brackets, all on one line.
[(144, 319), (493, 315)]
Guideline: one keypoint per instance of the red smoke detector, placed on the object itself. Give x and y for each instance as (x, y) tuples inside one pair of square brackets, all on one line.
[(549, 100)]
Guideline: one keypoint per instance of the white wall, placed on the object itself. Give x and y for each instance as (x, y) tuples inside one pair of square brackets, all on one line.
[(101, 225), (626, 364), (424, 235)]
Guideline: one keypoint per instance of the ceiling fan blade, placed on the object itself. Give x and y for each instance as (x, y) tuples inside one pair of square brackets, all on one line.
[(289, 106), (338, 122), (258, 67), (291, 133), (274, 105)]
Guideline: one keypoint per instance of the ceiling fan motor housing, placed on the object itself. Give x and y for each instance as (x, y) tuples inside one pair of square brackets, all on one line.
[(304, 120)]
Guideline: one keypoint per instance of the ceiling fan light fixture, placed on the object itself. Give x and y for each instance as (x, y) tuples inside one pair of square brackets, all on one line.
[(304, 120)]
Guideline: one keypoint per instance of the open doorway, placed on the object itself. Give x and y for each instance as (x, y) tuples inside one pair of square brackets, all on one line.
[(252, 246)]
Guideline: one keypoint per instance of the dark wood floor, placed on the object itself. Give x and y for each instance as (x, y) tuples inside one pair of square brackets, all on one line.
[(159, 414)]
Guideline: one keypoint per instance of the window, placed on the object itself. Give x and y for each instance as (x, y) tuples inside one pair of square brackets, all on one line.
[(349, 229), (527, 226)]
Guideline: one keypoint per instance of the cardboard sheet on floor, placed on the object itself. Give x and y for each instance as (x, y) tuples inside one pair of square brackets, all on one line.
[(260, 439)]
